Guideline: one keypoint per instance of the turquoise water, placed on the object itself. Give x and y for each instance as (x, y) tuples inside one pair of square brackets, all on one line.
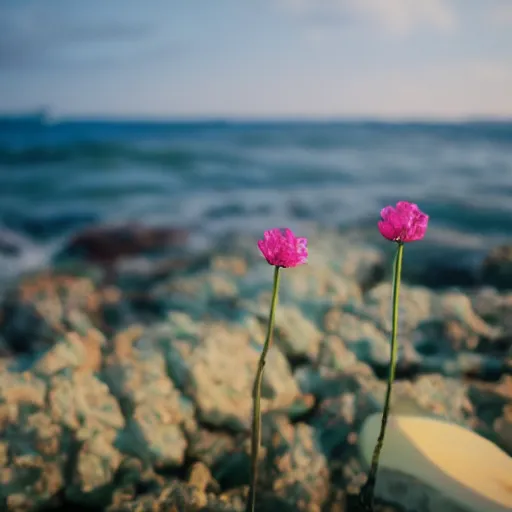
[(214, 176)]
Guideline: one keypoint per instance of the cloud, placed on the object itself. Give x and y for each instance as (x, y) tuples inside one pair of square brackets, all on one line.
[(399, 17), (501, 14), (31, 36), (475, 87)]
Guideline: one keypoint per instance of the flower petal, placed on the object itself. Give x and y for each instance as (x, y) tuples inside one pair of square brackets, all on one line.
[(404, 223)]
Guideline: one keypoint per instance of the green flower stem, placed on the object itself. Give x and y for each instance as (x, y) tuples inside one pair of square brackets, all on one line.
[(368, 490), (256, 394)]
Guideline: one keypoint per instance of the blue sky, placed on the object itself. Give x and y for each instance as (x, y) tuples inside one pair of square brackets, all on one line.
[(258, 58)]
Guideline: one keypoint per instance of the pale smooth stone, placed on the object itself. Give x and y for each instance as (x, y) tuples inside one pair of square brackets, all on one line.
[(458, 463)]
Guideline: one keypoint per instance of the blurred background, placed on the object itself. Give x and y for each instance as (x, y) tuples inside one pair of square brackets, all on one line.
[(229, 115), (137, 137)]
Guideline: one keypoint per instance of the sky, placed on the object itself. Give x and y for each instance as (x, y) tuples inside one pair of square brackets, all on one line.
[(257, 58)]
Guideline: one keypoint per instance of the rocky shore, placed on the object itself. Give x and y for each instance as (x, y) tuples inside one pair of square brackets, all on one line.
[(124, 389)]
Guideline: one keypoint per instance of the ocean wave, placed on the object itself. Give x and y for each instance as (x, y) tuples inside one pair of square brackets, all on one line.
[(183, 146), (93, 152), (56, 180)]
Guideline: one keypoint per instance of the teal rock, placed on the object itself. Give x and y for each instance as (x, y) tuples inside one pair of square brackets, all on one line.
[(345, 399), (34, 456), (216, 371), (334, 354), (71, 352), (441, 397), (95, 468), (294, 334), (34, 447), (177, 495), (208, 292), (415, 306), (22, 389), (458, 306), (496, 268), (157, 414), (456, 341), (328, 249), (295, 468), (362, 337), (493, 407), (84, 406), (309, 282), (358, 261), (39, 308), (210, 447), (494, 307)]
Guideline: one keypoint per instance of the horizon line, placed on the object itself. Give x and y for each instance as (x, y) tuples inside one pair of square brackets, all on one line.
[(53, 118)]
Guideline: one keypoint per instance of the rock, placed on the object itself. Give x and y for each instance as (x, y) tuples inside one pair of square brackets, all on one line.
[(346, 399), (334, 354), (418, 305), (106, 245), (415, 306), (444, 338), (71, 352), (293, 471), (503, 427), (494, 307), (430, 465), (359, 262), (497, 268), (34, 448), (457, 306), (437, 396), (202, 294), (234, 265), (493, 406), (121, 385), (200, 476), (295, 468), (96, 466), (44, 306), (134, 478), (331, 254), (18, 389), (368, 343), (241, 280), (452, 337), (210, 447), (83, 405), (215, 363), (157, 415), (308, 284), (61, 436), (474, 366), (324, 382), (294, 334), (177, 496)]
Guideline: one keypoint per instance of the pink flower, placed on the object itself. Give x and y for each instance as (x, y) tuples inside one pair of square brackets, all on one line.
[(282, 248), (404, 223)]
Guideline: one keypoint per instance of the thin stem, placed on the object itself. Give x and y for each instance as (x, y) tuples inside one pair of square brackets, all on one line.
[(256, 393), (368, 490)]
